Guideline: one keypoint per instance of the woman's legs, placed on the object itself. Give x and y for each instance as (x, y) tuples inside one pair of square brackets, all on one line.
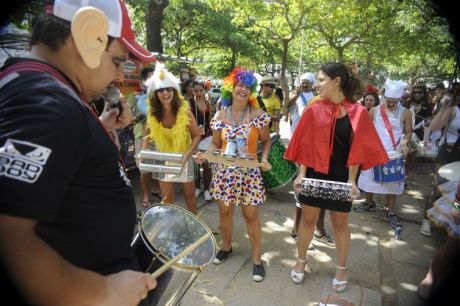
[(252, 219), (309, 217), (168, 191), (188, 190), (339, 222), (206, 175), (226, 225)]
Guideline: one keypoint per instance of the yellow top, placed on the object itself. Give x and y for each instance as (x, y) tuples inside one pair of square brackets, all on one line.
[(172, 140)]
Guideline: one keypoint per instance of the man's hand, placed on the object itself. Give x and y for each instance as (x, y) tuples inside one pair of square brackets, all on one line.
[(127, 288), (111, 118)]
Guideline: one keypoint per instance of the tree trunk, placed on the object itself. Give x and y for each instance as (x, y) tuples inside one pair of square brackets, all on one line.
[(233, 61), (154, 22), (283, 80)]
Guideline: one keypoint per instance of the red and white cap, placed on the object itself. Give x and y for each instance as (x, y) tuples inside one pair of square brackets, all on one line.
[(120, 25)]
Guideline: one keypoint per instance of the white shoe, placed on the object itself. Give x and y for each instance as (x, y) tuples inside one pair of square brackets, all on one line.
[(207, 195), (197, 192), (425, 229)]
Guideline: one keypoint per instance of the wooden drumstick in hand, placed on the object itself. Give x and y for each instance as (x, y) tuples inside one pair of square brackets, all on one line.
[(185, 252)]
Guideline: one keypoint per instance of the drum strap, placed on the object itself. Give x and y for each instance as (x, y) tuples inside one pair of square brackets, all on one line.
[(388, 126)]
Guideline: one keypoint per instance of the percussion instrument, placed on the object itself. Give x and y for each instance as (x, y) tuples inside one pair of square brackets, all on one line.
[(204, 144), (213, 155), (450, 172), (391, 172), (428, 149), (327, 190), (164, 232), (283, 171), (413, 144), (166, 166)]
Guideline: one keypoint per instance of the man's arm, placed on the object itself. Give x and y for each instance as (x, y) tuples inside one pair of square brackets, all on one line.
[(43, 277), (407, 131)]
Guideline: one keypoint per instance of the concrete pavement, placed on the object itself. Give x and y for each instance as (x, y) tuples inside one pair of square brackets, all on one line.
[(381, 270)]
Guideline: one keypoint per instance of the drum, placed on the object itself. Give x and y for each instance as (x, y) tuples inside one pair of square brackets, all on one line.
[(391, 172), (165, 231), (450, 172), (428, 149), (283, 171), (413, 143), (204, 144)]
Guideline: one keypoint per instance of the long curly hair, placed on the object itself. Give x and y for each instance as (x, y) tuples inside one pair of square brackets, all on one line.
[(156, 108)]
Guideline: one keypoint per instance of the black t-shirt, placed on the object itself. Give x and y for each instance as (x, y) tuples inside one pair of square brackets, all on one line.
[(59, 166), (423, 111)]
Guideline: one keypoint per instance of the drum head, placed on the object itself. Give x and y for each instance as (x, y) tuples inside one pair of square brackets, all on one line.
[(450, 172), (204, 144), (168, 229)]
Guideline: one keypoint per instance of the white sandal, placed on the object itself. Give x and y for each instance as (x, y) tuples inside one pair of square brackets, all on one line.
[(297, 277), (339, 286)]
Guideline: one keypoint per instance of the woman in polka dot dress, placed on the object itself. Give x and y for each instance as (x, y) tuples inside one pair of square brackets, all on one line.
[(237, 129)]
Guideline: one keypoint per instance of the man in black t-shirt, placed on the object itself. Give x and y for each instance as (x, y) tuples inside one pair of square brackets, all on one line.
[(67, 212)]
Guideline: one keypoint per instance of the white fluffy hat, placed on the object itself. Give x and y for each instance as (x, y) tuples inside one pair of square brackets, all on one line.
[(308, 76), (162, 78), (394, 89)]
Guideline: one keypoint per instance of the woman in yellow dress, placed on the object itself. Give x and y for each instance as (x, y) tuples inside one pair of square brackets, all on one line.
[(173, 129)]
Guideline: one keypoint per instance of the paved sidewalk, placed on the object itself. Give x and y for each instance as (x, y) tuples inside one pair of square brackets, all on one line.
[(382, 271)]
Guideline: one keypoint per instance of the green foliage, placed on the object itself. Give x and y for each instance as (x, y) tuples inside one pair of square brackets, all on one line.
[(389, 38)]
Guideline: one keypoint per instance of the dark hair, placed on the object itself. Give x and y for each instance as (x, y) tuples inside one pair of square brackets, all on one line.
[(194, 83), (145, 72), (375, 95), (49, 30), (348, 83), (52, 31), (157, 108), (185, 85), (440, 86)]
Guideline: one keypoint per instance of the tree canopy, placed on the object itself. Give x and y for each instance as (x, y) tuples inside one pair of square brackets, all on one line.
[(388, 38)]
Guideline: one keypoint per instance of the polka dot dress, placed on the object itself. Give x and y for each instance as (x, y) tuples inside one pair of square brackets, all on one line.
[(237, 185)]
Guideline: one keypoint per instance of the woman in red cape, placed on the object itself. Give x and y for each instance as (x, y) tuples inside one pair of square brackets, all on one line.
[(333, 140)]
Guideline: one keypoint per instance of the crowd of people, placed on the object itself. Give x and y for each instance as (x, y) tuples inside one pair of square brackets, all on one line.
[(63, 160)]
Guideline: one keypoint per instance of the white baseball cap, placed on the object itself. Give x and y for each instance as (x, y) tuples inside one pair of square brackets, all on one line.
[(120, 25)]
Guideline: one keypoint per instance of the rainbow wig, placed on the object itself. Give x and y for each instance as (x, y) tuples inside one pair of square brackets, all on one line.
[(239, 75)]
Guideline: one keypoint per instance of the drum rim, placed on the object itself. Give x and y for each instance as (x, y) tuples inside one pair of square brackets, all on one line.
[(202, 141), (162, 257)]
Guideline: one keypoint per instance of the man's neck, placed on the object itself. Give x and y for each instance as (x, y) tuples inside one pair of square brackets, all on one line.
[(61, 60)]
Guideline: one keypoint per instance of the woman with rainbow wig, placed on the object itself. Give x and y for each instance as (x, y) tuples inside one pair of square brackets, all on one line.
[(235, 186)]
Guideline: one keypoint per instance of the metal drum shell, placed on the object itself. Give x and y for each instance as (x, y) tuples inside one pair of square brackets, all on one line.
[(154, 249)]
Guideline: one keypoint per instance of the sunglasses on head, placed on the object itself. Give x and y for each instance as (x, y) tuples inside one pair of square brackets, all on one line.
[(168, 89), (270, 85)]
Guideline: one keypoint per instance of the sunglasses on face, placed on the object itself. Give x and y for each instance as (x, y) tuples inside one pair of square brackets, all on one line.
[(167, 89), (418, 92), (270, 85)]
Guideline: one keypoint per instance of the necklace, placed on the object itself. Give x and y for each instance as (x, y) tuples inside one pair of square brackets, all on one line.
[(235, 123)]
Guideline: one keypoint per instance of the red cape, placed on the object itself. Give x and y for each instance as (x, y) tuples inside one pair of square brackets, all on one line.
[(310, 145)]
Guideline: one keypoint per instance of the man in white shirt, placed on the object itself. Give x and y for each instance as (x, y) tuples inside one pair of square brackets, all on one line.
[(299, 100)]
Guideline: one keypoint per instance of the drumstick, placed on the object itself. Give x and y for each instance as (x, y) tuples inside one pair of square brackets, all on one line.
[(185, 252)]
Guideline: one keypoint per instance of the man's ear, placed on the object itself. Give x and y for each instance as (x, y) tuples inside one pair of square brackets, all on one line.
[(89, 31)]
